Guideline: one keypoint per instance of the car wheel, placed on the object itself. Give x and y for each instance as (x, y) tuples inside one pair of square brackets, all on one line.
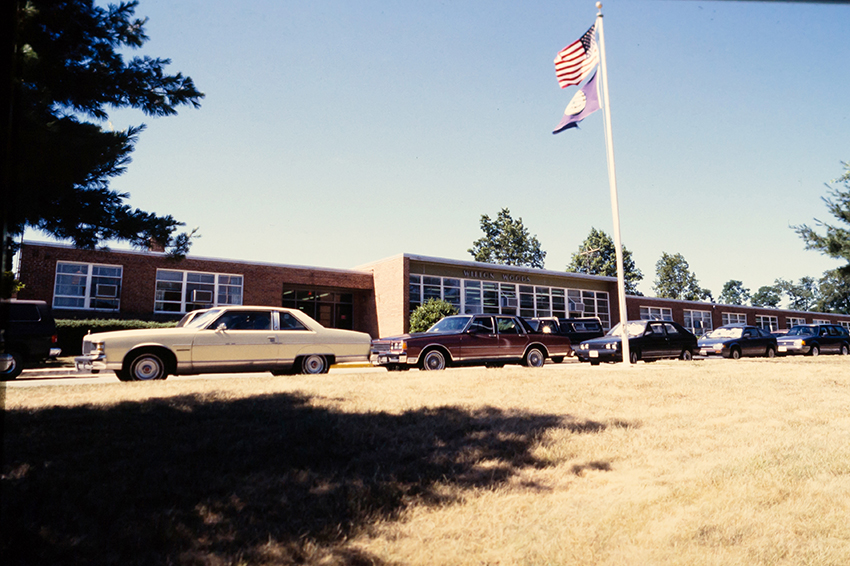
[(434, 360), (147, 367), (14, 369), (557, 359), (845, 350), (535, 358), (771, 353), (634, 356), (686, 355), (314, 365), (735, 354), (815, 350)]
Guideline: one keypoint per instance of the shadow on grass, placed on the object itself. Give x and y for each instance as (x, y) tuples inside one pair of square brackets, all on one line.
[(263, 480)]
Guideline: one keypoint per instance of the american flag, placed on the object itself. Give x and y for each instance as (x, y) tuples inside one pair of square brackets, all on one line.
[(575, 61)]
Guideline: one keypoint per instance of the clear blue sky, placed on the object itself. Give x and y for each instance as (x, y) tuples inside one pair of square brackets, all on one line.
[(337, 133)]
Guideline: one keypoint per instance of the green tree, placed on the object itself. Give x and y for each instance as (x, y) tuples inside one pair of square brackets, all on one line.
[(674, 280), (833, 293), (734, 293), (597, 255), (430, 313), (507, 242), (767, 296), (69, 69), (802, 295), (836, 242)]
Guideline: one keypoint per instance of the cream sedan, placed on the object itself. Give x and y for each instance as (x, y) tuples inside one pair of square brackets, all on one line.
[(225, 340)]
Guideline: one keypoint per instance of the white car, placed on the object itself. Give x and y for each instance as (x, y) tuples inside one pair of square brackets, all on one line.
[(225, 340)]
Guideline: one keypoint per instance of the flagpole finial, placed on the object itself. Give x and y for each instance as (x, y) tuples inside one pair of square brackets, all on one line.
[(599, 7)]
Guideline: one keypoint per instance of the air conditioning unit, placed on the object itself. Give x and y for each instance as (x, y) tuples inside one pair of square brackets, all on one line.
[(201, 296), (509, 302), (106, 291), (576, 307)]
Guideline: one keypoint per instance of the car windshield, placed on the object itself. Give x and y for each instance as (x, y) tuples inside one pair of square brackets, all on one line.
[(203, 319), (450, 324), (802, 331), (634, 328), (725, 333)]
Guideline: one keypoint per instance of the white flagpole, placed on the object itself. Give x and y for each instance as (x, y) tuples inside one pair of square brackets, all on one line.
[(612, 181)]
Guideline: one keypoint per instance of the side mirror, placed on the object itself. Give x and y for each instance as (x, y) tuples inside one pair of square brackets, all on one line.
[(221, 327)]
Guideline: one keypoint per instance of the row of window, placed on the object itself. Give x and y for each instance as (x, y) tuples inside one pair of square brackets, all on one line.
[(98, 287), (471, 296), (699, 322)]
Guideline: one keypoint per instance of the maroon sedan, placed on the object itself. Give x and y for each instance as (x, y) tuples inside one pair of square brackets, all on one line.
[(481, 339)]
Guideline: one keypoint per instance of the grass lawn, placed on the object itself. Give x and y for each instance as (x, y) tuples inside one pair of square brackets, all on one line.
[(702, 463)]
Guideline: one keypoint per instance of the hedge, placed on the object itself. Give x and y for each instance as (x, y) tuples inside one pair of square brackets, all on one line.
[(71, 332)]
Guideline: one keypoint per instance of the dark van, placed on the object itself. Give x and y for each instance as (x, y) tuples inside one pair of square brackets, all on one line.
[(29, 335)]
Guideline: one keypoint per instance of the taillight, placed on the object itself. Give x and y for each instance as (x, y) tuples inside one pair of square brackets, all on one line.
[(54, 339)]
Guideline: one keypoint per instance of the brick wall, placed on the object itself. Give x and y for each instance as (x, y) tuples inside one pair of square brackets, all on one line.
[(262, 283), (391, 278)]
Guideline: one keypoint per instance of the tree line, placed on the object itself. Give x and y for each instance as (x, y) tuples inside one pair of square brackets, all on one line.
[(507, 241)]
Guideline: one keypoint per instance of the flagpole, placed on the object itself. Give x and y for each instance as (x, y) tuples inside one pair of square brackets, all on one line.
[(612, 182)]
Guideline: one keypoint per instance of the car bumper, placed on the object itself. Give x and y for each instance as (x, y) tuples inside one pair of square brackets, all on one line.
[(383, 359), (91, 362), (599, 355), (709, 352), (791, 349)]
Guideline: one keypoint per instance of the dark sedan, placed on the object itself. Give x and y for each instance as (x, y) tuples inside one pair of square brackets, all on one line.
[(814, 339), (736, 340), (491, 340), (649, 340)]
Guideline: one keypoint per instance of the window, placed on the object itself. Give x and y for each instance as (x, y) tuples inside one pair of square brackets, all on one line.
[(331, 309), (490, 297), (845, 324), (87, 286), (792, 321), (820, 321), (656, 313), (733, 318), (769, 323), (184, 291), (698, 322)]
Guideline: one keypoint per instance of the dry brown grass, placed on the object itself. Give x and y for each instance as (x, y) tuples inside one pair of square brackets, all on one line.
[(703, 463)]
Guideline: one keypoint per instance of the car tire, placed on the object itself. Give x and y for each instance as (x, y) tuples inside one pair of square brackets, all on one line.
[(13, 370), (634, 356), (686, 355), (557, 359), (535, 358), (845, 349), (771, 353), (434, 360), (147, 366), (815, 351), (314, 364), (735, 354)]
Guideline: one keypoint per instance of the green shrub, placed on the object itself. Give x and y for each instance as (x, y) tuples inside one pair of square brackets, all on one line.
[(71, 332), (428, 314)]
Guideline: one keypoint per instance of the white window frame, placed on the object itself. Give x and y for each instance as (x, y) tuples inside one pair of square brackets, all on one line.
[(733, 318), (222, 286), (820, 321), (771, 320), (656, 313), (88, 298), (691, 316), (845, 323), (793, 321)]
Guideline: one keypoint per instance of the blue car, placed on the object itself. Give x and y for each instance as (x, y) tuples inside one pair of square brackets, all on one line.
[(737, 340)]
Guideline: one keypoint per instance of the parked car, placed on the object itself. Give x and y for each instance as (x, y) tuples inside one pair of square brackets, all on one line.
[(649, 340), (481, 339), (576, 329), (736, 340), (224, 340), (29, 337), (815, 339)]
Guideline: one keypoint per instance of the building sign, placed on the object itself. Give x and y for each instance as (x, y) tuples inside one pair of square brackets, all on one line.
[(491, 276)]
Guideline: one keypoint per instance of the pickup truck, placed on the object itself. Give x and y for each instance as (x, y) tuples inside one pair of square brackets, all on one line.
[(576, 329), (472, 339)]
